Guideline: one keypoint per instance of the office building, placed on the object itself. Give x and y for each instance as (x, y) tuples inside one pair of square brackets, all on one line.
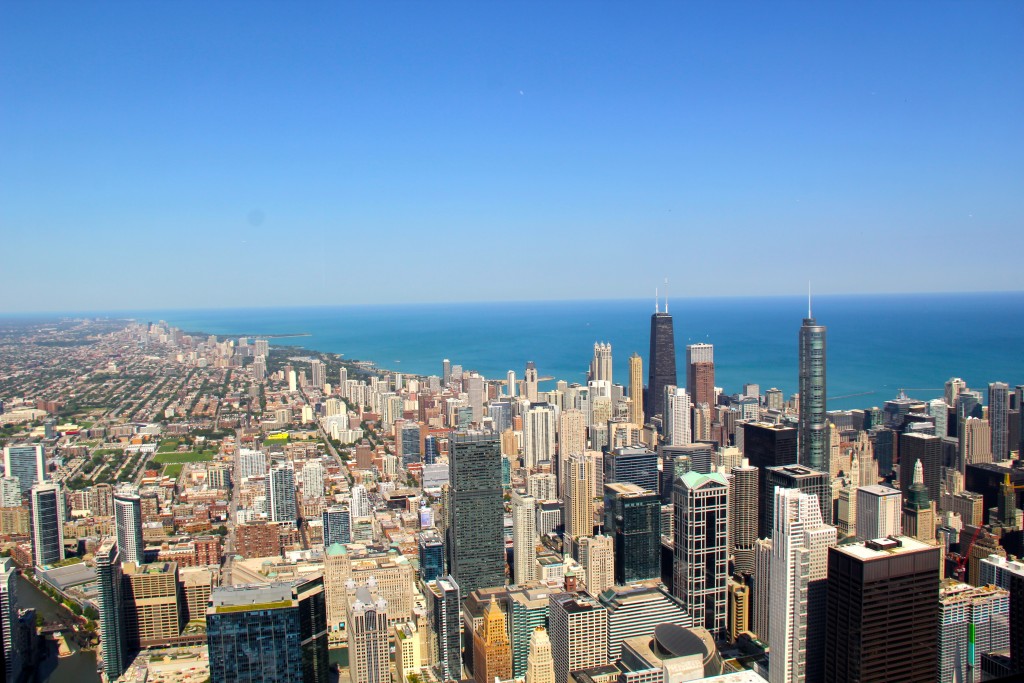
[(918, 511), (492, 651), (813, 425), (530, 381), (661, 367), (409, 443), (47, 515), (280, 492), (251, 463), (597, 557), (539, 435), (431, 551), (767, 445), (601, 363), (634, 465), (572, 436), (879, 512), (636, 389), (367, 624), (739, 609), (926, 449), (761, 585), (882, 619), (700, 373), (633, 520), (575, 624), (275, 633), (800, 544), (153, 613), (337, 525), (807, 480), (110, 600), (27, 462), (443, 601), (128, 523), (701, 507), (476, 548), (998, 418), (541, 667), (972, 621), (975, 441), (579, 498), (636, 610), (318, 373), (676, 421), (524, 538), (743, 516)]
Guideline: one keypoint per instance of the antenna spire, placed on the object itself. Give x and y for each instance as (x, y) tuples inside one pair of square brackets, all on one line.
[(666, 295), (656, 300), (809, 299)]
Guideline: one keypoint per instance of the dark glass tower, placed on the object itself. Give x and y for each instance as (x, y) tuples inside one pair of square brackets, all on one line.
[(767, 445), (112, 623), (813, 425), (476, 543), (805, 479), (633, 520), (274, 633), (661, 367), (927, 449), (431, 555), (883, 612)]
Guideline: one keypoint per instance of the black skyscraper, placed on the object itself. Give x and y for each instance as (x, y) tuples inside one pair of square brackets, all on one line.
[(476, 545), (662, 363), (883, 612), (767, 445)]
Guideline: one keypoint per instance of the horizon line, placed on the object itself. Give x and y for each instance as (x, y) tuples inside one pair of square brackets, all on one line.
[(116, 312)]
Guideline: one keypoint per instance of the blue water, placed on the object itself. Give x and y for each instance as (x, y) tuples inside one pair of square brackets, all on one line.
[(876, 344)]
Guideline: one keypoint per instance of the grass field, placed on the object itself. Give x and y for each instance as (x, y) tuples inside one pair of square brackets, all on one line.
[(173, 469), (164, 458), (168, 446)]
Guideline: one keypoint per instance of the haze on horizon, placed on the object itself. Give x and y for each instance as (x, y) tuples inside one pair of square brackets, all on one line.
[(184, 155)]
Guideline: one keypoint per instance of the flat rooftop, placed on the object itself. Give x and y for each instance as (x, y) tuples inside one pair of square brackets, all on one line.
[(884, 547), (244, 598)]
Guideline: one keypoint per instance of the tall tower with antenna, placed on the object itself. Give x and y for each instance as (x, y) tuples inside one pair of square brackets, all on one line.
[(662, 361), (812, 426)]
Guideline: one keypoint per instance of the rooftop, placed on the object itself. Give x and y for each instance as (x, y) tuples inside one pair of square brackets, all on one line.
[(245, 598), (880, 548)]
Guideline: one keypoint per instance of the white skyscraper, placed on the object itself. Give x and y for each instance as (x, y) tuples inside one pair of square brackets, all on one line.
[(539, 435), (369, 654), (128, 523), (597, 556), (799, 564), (524, 537), (601, 363), (360, 502), (26, 462), (251, 463), (677, 416), (879, 512), (313, 479), (540, 666), (510, 384), (701, 508), (280, 492)]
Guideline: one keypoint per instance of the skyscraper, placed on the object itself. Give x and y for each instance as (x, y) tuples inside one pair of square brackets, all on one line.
[(538, 435), (927, 449), (633, 520), (530, 381), (601, 363), (318, 373), (337, 525), (492, 652), (700, 373), (597, 556), (806, 480), (572, 438), (369, 654), (510, 384), (635, 465), (476, 547), (661, 362), (701, 573), (813, 426), (280, 492), (47, 503), (878, 512), (541, 667), (918, 513), (275, 633), (579, 498), (524, 538), (743, 517), (882, 618), (27, 463), (113, 632), (676, 420), (431, 550), (576, 624), (998, 417), (972, 621), (800, 543), (443, 600), (636, 389), (128, 523), (767, 445)]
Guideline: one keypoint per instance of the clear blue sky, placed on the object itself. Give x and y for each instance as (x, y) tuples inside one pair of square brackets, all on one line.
[(246, 154)]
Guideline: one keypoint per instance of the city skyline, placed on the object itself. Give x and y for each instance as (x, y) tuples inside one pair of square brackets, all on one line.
[(553, 127)]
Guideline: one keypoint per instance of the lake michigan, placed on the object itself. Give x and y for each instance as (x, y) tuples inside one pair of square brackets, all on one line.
[(877, 344)]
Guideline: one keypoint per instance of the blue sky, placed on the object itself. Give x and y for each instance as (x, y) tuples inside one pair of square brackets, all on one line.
[(157, 155)]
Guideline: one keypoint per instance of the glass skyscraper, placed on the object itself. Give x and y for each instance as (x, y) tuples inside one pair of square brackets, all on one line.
[(476, 546), (633, 520), (813, 426), (268, 634), (661, 368)]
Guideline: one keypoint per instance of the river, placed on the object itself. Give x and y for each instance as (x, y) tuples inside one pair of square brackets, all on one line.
[(79, 667)]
